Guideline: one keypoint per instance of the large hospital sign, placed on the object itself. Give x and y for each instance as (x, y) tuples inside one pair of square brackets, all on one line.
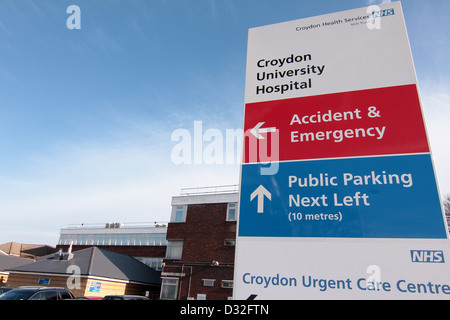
[(343, 202)]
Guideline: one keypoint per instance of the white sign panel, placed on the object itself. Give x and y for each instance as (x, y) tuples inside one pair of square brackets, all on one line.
[(336, 52)]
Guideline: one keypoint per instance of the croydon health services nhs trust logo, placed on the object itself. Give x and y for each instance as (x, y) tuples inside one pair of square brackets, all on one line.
[(377, 13), (427, 256)]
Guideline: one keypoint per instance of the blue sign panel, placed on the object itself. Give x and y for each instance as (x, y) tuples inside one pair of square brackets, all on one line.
[(44, 281), (376, 197)]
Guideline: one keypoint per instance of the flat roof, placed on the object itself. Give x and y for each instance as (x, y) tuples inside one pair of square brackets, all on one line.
[(228, 197), (116, 228)]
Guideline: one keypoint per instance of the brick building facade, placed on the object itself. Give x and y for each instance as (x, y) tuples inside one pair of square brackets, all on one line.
[(201, 235)]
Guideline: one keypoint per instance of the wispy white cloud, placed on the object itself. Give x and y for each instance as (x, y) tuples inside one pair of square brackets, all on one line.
[(374, 2), (436, 107), (130, 181)]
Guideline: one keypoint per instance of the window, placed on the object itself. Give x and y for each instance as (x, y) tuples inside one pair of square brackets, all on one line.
[(208, 282), (51, 295), (152, 239), (231, 212), (122, 239), (155, 263), (45, 295), (174, 250), (65, 295), (146, 239), (38, 296), (178, 214), (62, 239), (230, 243), (169, 288), (140, 240), (160, 239), (83, 239), (227, 284)]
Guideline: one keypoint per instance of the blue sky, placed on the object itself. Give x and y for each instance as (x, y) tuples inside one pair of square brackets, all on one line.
[(86, 116)]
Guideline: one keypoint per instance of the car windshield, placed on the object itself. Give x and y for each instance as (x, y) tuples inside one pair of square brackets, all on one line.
[(17, 295)]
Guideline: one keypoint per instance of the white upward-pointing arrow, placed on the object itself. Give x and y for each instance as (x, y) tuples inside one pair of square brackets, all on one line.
[(260, 192), (256, 131)]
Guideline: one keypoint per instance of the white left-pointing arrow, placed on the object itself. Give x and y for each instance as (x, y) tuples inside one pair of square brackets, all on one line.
[(257, 130), (260, 192)]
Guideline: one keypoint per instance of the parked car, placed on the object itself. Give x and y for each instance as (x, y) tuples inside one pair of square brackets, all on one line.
[(37, 293), (124, 297)]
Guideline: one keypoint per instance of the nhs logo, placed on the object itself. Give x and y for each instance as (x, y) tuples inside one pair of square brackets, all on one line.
[(427, 256), (383, 13)]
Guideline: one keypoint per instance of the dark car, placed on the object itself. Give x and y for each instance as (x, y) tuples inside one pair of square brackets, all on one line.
[(124, 297), (89, 298), (37, 293)]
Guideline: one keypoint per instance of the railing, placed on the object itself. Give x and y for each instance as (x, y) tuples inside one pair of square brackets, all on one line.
[(210, 190), (117, 225)]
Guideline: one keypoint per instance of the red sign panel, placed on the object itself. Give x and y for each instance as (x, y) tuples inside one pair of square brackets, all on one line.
[(359, 123)]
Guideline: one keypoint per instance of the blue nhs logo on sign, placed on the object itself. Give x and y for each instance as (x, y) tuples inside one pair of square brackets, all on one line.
[(383, 13), (427, 256)]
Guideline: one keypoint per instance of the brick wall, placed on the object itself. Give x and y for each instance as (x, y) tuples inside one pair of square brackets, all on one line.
[(203, 233)]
